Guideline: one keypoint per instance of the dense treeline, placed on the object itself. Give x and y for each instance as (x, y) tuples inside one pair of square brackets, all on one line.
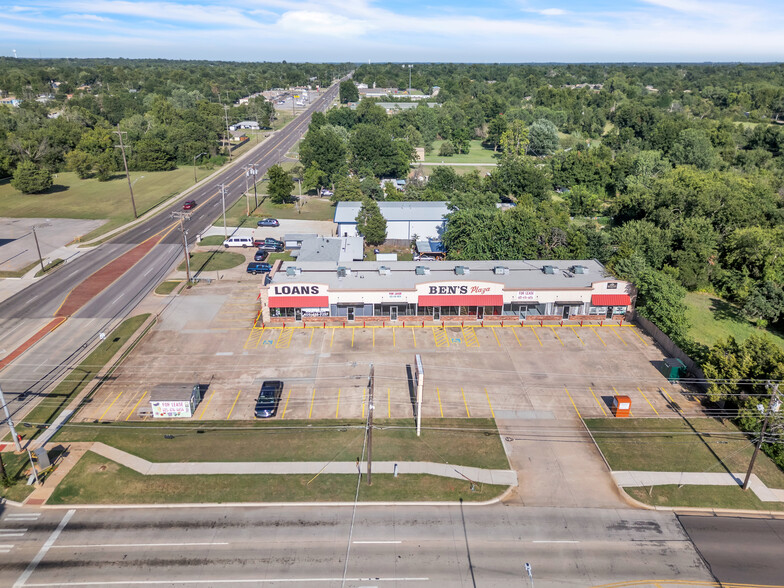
[(671, 175), (171, 112)]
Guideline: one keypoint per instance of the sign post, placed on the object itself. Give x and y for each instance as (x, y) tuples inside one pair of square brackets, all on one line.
[(420, 382)]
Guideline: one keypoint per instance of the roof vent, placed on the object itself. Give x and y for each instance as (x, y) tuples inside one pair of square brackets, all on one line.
[(500, 270), (549, 269), (293, 271), (421, 270), (580, 269), (343, 272), (462, 270), (384, 270)]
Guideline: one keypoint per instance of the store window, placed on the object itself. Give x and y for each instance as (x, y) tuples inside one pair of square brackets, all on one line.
[(450, 311), (425, 311), (282, 312), (492, 310)]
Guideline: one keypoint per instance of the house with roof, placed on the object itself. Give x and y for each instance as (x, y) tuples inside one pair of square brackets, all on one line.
[(405, 220)]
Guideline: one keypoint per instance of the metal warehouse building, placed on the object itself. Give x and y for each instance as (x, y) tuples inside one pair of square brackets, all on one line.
[(443, 291), (405, 220)]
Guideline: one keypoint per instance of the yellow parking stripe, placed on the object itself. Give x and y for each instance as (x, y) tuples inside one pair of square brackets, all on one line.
[(352, 335), (203, 410), (389, 403), (254, 338), (363, 403), (374, 336), (108, 407), (578, 336), (337, 409), (599, 402), (394, 342), (233, 405), (440, 408), (489, 404), (133, 410), (573, 404), (556, 334), (285, 406), (634, 330), (312, 330), (648, 401), (332, 340), (600, 337), (464, 402), (413, 334), (516, 337), (312, 400), (469, 336), (496, 336), (617, 335), (284, 338), (440, 337), (537, 336)]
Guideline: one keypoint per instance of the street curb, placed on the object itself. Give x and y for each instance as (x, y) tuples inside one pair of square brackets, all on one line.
[(5, 501)]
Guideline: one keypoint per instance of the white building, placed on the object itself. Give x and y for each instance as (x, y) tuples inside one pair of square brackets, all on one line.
[(404, 219), (245, 124)]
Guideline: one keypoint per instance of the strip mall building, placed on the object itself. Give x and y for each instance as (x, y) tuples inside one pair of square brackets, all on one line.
[(443, 291)]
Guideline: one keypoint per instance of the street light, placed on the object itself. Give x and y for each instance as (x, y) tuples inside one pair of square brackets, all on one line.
[(195, 157)]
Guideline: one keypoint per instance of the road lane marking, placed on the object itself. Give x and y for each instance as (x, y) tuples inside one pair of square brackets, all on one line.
[(337, 409), (12, 530), (352, 336), (413, 334), (228, 581), (440, 408), (537, 336), (376, 542), (489, 404), (44, 548), (11, 535), (573, 404), (91, 545), (231, 410), (648, 401), (136, 405), (464, 402), (554, 541), (601, 405), (332, 340), (285, 406), (312, 400), (203, 410), (394, 341)]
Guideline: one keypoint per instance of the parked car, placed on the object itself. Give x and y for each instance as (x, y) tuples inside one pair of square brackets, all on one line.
[(238, 242), (424, 258), (268, 222), (255, 267), (325, 192), (189, 205), (276, 247), (268, 400), (260, 256)]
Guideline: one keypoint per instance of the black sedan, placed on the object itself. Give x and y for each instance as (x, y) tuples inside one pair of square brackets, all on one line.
[(268, 400)]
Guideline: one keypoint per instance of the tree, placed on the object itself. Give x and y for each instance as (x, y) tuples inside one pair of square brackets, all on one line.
[(583, 201), (348, 189), (370, 223), (326, 148), (765, 303), (80, 162), (446, 149), (515, 139), (348, 92), (518, 176), (151, 154), (29, 178), (373, 149), (543, 136), (495, 129), (314, 178), (280, 185), (693, 147)]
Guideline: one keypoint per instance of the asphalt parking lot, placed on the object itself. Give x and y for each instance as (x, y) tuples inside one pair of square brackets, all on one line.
[(537, 372)]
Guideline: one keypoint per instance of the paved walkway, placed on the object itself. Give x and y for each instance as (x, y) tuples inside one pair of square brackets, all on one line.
[(483, 476), (632, 479)]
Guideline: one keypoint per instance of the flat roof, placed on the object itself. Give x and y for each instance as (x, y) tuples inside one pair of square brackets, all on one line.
[(521, 275), (334, 249), (346, 212)]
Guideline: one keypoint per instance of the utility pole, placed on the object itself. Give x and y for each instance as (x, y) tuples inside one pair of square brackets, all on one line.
[(370, 427), (222, 189), (195, 157), (125, 163), (228, 142), (255, 171), (41, 259), (775, 404), (10, 422), (183, 216), (247, 196)]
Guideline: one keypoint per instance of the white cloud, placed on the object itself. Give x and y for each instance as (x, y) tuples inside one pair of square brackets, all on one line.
[(547, 11), (90, 17)]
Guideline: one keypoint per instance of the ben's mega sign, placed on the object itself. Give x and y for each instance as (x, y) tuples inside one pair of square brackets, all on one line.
[(462, 289), (459, 289)]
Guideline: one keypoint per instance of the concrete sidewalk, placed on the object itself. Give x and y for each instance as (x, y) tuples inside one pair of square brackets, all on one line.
[(147, 468), (640, 479)]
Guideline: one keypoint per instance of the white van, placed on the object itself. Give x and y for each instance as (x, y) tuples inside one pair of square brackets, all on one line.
[(238, 242)]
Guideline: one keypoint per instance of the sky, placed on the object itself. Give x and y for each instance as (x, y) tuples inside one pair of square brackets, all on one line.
[(397, 30)]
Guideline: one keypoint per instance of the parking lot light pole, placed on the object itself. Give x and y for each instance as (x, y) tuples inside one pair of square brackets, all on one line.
[(195, 157)]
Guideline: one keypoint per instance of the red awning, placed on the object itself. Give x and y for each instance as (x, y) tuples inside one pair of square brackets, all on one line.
[(299, 301), (462, 300), (610, 300)]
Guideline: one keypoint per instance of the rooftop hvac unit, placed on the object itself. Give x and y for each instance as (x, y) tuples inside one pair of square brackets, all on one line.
[(462, 270), (421, 270), (293, 271), (343, 272), (500, 270), (549, 269), (580, 269), (384, 270)]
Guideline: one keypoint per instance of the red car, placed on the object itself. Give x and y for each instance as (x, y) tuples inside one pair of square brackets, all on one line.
[(189, 204)]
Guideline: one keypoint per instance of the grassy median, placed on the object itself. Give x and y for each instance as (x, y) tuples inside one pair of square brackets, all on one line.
[(467, 442), (96, 480)]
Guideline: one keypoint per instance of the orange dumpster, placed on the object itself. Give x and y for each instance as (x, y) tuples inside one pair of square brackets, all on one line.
[(621, 406)]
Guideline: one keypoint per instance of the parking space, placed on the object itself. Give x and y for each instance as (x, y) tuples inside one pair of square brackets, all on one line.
[(510, 371)]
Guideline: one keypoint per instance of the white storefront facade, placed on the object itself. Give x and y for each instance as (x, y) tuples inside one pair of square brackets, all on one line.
[(444, 291)]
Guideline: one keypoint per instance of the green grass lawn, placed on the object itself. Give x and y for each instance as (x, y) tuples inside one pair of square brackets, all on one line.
[(284, 255), (96, 480), (18, 273), (205, 261), (460, 170), (48, 267), (16, 468), (167, 287), (468, 442), (312, 208), (700, 496), (712, 319), (476, 154), (71, 197), (54, 402), (670, 445)]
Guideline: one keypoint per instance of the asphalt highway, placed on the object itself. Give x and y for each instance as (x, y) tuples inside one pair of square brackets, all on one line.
[(384, 546)]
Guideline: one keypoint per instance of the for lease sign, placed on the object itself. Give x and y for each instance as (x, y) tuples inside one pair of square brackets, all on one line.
[(171, 409)]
